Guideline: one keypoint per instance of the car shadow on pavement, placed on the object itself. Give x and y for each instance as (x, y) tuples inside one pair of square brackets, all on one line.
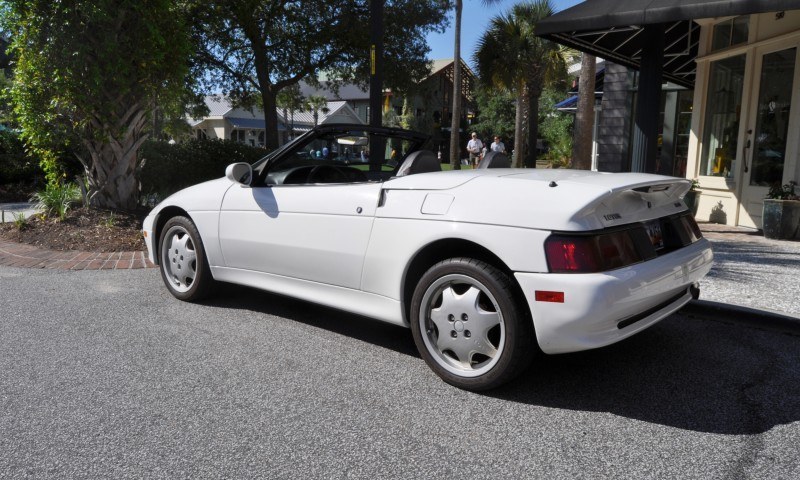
[(368, 330), (685, 373)]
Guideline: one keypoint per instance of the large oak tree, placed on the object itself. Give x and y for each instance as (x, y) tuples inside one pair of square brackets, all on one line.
[(253, 49)]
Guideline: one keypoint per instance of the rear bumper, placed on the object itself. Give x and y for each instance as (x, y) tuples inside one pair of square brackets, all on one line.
[(604, 308)]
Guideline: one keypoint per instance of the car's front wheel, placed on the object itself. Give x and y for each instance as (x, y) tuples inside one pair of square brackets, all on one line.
[(184, 266), (468, 324)]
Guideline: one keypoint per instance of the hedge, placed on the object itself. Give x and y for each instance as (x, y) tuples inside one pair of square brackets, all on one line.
[(169, 167)]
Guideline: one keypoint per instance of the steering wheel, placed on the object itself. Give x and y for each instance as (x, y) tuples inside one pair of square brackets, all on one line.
[(326, 174), (354, 175)]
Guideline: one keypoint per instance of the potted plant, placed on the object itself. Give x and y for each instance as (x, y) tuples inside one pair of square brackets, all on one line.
[(692, 197), (781, 218)]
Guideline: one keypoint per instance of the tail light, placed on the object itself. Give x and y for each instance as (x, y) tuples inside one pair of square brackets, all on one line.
[(589, 254), (602, 251)]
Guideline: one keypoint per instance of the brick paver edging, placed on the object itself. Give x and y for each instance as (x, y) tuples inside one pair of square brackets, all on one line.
[(28, 256)]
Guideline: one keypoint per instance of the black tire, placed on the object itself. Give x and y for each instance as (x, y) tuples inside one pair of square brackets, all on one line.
[(468, 324), (183, 262)]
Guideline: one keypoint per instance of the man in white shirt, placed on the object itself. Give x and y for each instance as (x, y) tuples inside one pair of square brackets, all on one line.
[(474, 147), (497, 145)]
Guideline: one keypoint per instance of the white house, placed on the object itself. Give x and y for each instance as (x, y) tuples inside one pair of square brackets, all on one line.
[(247, 126)]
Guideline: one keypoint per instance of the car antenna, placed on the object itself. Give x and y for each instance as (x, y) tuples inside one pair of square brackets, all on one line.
[(553, 183)]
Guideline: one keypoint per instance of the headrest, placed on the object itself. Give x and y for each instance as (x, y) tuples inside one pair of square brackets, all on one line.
[(422, 161), (495, 160)]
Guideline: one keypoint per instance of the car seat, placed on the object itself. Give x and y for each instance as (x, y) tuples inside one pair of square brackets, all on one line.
[(421, 161), (495, 160)]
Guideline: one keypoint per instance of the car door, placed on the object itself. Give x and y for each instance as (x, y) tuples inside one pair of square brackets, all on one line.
[(315, 232)]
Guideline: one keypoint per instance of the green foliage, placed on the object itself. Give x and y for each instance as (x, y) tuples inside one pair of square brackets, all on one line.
[(87, 77), (15, 164), (510, 57), (168, 168), (20, 222), (251, 49), (555, 128), (783, 192), (110, 221), (495, 114), (56, 199)]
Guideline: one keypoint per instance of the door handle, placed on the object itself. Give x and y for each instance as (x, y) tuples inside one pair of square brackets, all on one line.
[(746, 157), (744, 154)]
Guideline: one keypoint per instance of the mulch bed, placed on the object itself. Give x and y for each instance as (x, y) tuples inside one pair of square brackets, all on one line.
[(83, 229)]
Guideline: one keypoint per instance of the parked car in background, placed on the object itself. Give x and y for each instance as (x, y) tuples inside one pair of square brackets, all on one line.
[(485, 266)]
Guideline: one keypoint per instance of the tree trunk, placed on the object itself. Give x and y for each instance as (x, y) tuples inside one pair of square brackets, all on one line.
[(584, 115), (455, 124), (519, 141), (113, 170), (268, 98), (534, 92)]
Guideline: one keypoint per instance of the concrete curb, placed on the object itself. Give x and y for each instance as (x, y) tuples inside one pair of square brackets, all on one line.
[(751, 317)]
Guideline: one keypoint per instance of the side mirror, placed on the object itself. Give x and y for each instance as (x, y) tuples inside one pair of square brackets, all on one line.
[(241, 173)]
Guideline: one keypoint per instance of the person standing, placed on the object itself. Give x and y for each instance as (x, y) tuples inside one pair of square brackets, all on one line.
[(474, 147), (497, 145)]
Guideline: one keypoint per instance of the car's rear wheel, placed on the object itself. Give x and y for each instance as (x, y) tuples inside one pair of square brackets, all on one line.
[(184, 266), (468, 324)]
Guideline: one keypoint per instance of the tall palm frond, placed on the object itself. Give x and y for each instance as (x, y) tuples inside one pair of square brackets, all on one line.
[(511, 57)]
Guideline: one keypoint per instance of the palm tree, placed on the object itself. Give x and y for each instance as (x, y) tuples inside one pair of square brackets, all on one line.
[(584, 115), (315, 103), (292, 100), (455, 124), (511, 57)]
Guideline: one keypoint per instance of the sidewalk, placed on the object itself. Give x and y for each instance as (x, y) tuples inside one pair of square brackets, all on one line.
[(22, 255), (8, 210), (754, 280)]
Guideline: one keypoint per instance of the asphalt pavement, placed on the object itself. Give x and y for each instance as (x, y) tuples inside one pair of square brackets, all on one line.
[(103, 374)]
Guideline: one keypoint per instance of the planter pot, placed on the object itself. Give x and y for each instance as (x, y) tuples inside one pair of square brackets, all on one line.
[(692, 200), (781, 219)]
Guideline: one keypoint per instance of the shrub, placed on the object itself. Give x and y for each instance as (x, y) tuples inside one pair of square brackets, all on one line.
[(20, 222), (56, 199), (168, 168), (16, 166)]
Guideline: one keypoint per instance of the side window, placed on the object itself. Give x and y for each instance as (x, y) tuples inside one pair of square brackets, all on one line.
[(323, 160), (341, 157)]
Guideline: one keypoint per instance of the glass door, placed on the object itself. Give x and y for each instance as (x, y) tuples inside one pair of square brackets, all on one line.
[(771, 130)]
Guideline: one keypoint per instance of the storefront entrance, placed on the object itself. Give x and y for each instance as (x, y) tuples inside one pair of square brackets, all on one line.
[(773, 132)]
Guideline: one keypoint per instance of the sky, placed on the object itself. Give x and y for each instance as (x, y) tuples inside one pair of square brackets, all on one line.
[(474, 20)]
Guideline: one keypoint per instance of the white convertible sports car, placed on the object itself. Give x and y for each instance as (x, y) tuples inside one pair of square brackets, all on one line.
[(483, 265)]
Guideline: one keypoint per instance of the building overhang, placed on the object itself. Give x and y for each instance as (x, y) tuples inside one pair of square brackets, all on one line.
[(612, 29)]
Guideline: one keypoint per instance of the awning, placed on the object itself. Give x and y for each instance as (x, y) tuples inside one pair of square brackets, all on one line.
[(612, 29), (251, 123), (571, 103)]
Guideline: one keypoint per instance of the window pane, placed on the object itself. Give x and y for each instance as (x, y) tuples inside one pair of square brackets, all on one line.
[(723, 108), (730, 32), (740, 31), (722, 36), (772, 124)]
